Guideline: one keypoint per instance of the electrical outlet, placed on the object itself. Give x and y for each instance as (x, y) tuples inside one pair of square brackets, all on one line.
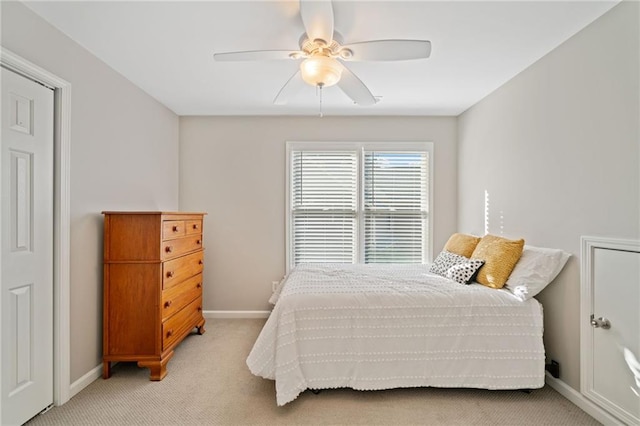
[(274, 286), (553, 368)]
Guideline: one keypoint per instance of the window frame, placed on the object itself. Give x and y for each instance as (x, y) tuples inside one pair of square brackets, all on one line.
[(360, 148)]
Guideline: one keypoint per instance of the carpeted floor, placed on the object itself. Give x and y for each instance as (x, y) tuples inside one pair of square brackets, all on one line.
[(209, 384)]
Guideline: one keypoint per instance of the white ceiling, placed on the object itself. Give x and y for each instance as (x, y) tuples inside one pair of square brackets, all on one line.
[(166, 48)]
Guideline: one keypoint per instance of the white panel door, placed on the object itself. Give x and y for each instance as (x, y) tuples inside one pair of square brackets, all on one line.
[(26, 217), (616, 301)]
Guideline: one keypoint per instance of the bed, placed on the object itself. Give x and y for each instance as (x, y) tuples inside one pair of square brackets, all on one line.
[(371, 327)]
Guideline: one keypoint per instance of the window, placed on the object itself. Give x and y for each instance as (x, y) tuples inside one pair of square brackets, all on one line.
[(358, 202)]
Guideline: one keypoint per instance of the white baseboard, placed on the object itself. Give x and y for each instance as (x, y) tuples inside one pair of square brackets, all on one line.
[(85, 381), (583, 403), (236, 314)]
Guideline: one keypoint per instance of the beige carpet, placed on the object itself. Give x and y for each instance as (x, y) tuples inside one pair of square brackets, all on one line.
[(209, 383)]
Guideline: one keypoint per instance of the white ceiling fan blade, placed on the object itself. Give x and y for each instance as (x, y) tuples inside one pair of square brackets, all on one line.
[(389, 50), (253, 55), (290, 88), (353, 87), (317, 17)]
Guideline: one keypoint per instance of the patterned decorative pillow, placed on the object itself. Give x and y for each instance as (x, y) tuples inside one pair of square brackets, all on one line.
[(455, 267), (465, 272), (443, 262)]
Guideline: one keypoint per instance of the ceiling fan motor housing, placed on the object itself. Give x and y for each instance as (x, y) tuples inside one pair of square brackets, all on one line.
[(319, 46)]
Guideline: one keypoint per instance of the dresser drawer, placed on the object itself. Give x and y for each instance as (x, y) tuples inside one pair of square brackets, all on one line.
[(193, 226), (176, 327), (173, 229), (180, 246), (177, 270), (178, 296)]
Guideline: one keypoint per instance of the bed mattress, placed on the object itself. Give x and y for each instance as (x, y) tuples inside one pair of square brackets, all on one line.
[(370, 327)]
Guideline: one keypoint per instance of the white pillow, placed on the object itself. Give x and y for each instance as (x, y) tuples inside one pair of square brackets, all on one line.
[(536, 268)]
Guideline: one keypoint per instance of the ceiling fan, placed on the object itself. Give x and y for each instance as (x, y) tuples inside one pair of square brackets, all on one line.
[(322, 55)]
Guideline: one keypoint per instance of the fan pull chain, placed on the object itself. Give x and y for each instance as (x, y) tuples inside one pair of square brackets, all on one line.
[(320, 89)]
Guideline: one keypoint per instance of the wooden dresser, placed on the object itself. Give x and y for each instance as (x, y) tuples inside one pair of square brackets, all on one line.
[(153, 264)]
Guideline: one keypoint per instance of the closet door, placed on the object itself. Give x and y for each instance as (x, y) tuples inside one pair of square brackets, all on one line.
[(26, 219), (613, 325)]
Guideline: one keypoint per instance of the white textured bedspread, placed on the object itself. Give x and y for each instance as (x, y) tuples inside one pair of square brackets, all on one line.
[(373, 327)]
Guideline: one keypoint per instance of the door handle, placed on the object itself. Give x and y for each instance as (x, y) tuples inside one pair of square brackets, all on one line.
[(601, 322)]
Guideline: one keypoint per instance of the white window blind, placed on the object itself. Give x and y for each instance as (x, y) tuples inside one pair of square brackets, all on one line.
[(358, 202), (323, 206), (395, 206)]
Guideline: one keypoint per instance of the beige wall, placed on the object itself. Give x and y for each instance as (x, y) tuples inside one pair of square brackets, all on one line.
[(124, 156), (557, 150), (234, 169)]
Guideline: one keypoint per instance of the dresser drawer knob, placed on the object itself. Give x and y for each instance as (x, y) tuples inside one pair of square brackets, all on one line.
[(199, 285), (167, 303), (168, 249), (199, 308), (169, 274), (198, 242), (175, 228), (195, 226), (200, 262), (169, 333)]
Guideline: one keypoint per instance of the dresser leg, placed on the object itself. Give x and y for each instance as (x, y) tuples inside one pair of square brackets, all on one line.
[(106, 369), (200, 328), (158, 369)]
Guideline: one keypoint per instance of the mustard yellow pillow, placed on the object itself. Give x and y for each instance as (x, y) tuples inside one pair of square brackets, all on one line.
[(462, 244), (500, 257)]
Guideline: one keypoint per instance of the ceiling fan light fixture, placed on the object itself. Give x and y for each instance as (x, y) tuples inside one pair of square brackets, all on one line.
[(320, 70)]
